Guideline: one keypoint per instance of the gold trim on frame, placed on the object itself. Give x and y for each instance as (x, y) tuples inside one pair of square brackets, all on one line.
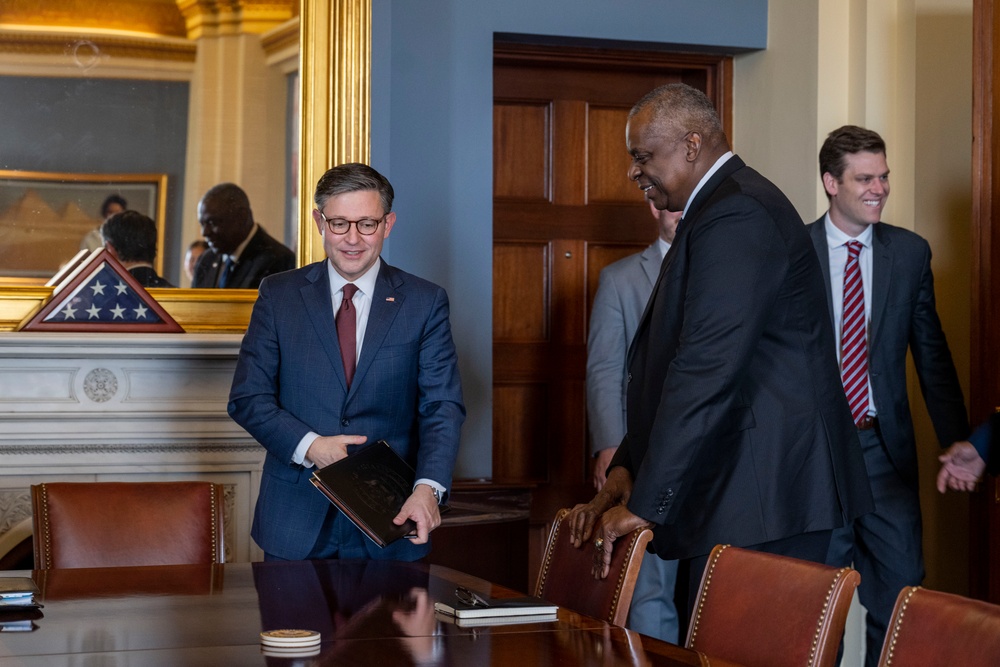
[(335, 71)]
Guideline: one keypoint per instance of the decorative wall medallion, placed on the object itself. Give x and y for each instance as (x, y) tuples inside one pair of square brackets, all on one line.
[(100, 385)]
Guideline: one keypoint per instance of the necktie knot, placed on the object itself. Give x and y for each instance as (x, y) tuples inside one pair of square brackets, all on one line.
[(854, 249), (350, 289)]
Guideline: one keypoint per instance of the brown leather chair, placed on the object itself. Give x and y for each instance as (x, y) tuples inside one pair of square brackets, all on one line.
[(932, 629), (565, 577), (762, 610), (111, 524)]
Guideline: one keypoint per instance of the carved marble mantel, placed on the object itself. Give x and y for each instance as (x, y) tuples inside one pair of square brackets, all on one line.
[(123, 407)]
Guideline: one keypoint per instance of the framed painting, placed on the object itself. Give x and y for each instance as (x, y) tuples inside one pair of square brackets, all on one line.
[(47, 218)]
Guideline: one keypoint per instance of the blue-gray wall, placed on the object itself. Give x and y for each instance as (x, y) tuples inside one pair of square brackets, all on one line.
[(100, 126), (432, 95)]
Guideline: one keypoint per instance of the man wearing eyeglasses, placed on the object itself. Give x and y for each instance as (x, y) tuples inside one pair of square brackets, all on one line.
[(342, 353), (240, 252)]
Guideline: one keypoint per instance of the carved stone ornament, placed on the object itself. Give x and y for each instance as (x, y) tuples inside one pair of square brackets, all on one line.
[(100, 385)]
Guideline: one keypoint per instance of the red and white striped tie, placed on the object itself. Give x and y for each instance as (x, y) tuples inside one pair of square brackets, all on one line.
[(853, 342)]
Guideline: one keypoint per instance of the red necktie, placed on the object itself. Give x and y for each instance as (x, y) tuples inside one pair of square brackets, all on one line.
[(853, 343), (347, 327)]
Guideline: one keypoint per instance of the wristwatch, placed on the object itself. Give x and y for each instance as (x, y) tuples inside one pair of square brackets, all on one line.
[(437, 494)]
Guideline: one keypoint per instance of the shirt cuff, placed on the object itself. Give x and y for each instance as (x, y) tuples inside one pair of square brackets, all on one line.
[(299, 455), (431, 483), (980, 439)]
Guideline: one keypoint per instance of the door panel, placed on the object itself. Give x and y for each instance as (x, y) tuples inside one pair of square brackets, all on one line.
[(563, 209)]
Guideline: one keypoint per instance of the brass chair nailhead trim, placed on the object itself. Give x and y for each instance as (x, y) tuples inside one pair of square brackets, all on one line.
[(825, 614), (704, 593), (898, 623), (621, 576)]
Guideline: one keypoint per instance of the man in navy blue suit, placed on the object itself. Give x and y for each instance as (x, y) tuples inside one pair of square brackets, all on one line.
[(293, 391)]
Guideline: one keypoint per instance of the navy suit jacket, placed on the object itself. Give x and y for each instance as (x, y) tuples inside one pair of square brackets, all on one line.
[(622, 292), (738, 428), (263, 256), (290, 380), (903, 315)]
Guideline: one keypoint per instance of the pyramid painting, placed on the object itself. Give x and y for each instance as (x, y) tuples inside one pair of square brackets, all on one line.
[(35, 239)]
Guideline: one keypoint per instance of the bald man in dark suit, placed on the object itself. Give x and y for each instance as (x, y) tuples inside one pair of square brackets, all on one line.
[(738, 429)]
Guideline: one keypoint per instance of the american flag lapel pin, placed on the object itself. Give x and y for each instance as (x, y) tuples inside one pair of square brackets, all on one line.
[(390, 298)]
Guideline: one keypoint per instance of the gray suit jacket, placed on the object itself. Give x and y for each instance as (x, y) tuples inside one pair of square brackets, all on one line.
[(904, 317), (622, 292)]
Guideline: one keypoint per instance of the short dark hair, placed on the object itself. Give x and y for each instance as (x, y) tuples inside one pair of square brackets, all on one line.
[(680, 106), (844, 141), (132, 234), (353, 177), (112, 199)]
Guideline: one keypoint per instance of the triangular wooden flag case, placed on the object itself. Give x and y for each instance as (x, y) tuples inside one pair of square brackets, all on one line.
[(97, 294)]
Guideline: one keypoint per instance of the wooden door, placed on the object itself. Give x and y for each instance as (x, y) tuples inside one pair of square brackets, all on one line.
[(984, 528), (563, 208)]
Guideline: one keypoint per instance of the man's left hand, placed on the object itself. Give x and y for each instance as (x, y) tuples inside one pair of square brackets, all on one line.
[(422, 508), (614, 523)]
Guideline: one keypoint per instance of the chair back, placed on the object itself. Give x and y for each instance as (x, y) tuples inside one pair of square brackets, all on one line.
[(763, 610), (112, 524), (565, 576), (935, 629)]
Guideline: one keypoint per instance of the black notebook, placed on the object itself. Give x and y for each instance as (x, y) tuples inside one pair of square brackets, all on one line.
[(498, 608), (370, 487)]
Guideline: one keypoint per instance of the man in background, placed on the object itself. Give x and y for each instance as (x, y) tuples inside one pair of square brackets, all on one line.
[(311, 386), (738, 431), (240, 253), (131, 238), (622, 292), (880, 293), (192, 255)]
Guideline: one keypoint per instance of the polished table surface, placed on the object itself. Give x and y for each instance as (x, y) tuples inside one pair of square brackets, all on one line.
[(368, 613)]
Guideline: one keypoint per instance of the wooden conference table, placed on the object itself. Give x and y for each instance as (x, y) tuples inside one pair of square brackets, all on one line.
[(368, 613)]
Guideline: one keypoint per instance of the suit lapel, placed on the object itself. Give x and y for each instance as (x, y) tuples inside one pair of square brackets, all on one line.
[(818, 233), (732, 165), (882, 260), (651, 262), (319, 305), (386, 302)]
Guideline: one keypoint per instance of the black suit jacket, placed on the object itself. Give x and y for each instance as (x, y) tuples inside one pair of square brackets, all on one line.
[(263, 256), (738, 428), (148, 277), (903, 316)]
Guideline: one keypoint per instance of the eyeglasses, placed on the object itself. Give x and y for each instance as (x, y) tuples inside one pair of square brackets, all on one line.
[(366, 226), (471, 598)]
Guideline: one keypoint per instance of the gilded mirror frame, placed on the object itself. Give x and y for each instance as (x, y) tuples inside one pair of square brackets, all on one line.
[(335, 75)]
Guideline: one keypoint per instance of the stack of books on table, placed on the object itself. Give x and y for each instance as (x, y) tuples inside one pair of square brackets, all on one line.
[(470, 609), (18, 606)]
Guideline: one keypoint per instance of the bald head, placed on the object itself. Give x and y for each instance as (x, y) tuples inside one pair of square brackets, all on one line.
[(225, 217)]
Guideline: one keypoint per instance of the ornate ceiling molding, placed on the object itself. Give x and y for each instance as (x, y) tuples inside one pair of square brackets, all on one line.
[(211, 18)]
